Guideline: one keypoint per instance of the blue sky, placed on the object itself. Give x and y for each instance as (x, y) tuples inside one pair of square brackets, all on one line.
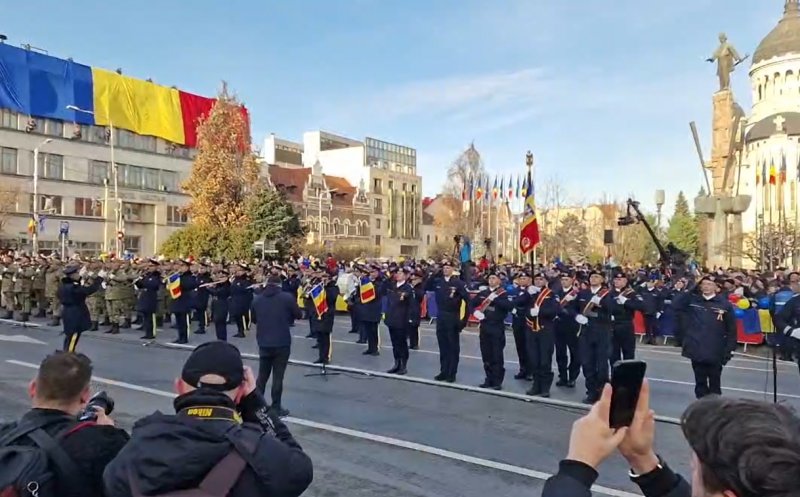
[(600, 91)]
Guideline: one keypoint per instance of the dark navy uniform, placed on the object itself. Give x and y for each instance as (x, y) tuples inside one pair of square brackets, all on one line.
[(325, 326), (147, 303), (416, 315), (200, 302), (182, 306), (495, 306), (400, 306), (623, 338), (540, 327), (519, 326), (654, 299), (74, 312), (220, 301), (567, 351), (451, 294), (787, 322), (241, 299), (368, 314), (594, 330), (710, 338)]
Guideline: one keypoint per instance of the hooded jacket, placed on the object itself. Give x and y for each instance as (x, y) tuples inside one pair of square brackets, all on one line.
[(273, 313), (168, 453)]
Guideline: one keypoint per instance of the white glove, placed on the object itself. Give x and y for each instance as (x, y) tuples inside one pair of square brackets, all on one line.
[(595, 300), (14, 279), (581, 319), (792, 332), (491, 297), (622, 299), (102, 273), (104, 285), (82, 272), (19, 270), (479, 315), (533, 290), (658, 315), (534, 311), (570, 297), (513, 312)]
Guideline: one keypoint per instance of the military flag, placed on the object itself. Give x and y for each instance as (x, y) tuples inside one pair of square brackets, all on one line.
[(320, 299), (366, 290), (494, 188), (529, 233), (773, 174), (174, 285)]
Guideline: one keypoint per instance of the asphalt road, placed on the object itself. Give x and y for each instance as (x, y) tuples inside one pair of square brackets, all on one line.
[(369, 434)]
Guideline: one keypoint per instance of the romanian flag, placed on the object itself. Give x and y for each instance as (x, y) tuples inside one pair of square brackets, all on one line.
[(772, 173), (320, 299), (529, 233), (511, 187), (494, 188), (174, 285), (502, 187), (519, 191), (758, 175), (366, 290), (43, 86), (32, 226), (782, 176), (524, 191), (479, 190), (764, 172)]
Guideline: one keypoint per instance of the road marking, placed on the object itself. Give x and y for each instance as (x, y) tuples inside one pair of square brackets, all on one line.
[(427, 449), (21, 339), (24, 324)]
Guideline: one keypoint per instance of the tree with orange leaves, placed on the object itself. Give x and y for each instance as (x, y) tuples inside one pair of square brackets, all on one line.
[(225, 171)]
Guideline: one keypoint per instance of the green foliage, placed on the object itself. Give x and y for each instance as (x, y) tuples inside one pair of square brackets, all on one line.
[(683, 230), (571, 239), (272, 218), (212, 241)]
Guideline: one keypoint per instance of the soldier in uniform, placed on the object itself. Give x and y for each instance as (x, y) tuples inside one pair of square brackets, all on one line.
[(7, 288), (241, 298), (200, 297), (52, 281), (221, 293), (543, 308), (148, 285), (72, 295), (519, 325), (96, 302), (450, 294), (566, 339), (623, 339), (418, 285), (325, 327), (182, 305), (23, 286), (492, 305), (399, 311), (592, 309), (369, 311), (128, 301), (38, 286)]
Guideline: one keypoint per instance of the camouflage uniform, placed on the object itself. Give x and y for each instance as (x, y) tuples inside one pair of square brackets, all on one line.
[(38, 295), (7, 288), (52, 280), (23, 286), (96, 302), (115, 295), (128, 300)]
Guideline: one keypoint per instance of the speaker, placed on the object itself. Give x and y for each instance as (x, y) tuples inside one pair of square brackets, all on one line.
[(608, 237)]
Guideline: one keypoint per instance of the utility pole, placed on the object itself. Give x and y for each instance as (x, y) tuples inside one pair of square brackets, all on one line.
[(35, 233)]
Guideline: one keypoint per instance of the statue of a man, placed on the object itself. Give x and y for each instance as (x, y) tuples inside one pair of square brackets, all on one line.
[(727, 58)]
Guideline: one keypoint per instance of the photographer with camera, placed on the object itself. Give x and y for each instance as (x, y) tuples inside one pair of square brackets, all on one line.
[(222, 439), (62, 445)]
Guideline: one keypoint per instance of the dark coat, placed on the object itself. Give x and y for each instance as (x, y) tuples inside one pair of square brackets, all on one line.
[(710, 334), (149, 285), (369, 312), (200, 295), (221, 294), (599, 316), (90, 446), (575, 479), (416, 305), (324, 323), (495, 312), (400, 306), (273, 313), (74, 311), (449, 295), (241, 296), (183, 304)]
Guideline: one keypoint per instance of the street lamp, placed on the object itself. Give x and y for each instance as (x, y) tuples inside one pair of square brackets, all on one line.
[(117, 209), (36, 194), (660, 199)]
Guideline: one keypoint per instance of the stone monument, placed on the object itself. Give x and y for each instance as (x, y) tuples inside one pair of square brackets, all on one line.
[(722, 206)]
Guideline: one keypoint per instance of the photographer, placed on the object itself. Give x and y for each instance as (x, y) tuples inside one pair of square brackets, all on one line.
[(741, 448), (77, 440), (221, 435)]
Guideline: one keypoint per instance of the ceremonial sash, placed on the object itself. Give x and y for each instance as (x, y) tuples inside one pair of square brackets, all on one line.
[(564, 299), (589, 305), (535, 324), (486, 302)]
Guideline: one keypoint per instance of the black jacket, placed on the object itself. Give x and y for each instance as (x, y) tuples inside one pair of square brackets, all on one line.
[(148, 286), (74, 312), (273, 313), (90, 446), (575, 479), (710, 335), (168, 452)]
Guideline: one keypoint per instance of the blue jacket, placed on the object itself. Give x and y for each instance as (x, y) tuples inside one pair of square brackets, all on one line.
[(710, 334), (183, 304), (371, 311), (219, 304), (149, 285), (200, 295), (400, 305), (241, 296), (273, 313)]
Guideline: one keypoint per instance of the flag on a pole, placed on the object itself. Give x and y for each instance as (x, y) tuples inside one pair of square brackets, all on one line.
[(32, 225), (510, 187), (479, 190), (773, 174), (529, 232), (783, 168), (758, 175), (494, 188), (764, 172), (40, 228), (502, 187), (320, 299), (524, 190), (519, 192)]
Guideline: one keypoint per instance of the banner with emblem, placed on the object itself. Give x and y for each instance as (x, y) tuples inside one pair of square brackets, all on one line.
[(529, 232)]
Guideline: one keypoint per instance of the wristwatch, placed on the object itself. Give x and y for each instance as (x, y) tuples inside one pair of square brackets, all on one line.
[(633, 476)]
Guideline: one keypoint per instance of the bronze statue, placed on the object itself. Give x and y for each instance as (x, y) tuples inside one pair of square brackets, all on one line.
[(727, 58)]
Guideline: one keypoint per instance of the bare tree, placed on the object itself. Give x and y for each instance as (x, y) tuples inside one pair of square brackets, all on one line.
[(468, 165), (8, 205), (770, 247)]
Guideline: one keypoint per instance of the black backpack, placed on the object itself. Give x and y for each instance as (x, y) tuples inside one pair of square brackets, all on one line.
[(37, 470)]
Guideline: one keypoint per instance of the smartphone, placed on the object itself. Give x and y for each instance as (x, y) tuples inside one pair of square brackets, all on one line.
[(626, 380)]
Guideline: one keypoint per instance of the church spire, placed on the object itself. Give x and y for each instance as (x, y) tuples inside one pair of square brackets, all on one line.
[(792, 8)]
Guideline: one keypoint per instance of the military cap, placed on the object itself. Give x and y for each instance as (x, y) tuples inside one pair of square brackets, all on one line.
[(153, 261), (618, 273), (597, 272), (243, 266), (72, 269)]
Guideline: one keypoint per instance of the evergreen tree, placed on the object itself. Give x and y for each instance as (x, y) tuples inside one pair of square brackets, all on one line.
[(683, 230)]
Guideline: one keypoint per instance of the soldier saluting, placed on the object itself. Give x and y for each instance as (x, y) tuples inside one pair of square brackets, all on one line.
[(492, 305), (451, 295)]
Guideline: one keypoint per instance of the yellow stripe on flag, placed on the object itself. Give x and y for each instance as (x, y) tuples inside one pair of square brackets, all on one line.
[(139, 106)]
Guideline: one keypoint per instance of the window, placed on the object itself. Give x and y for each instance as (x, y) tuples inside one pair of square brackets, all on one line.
[(132, 176), (151, 180), (88, 207), (378, 224), (48, 204), (391, 185), (51, 165), (98, 172), (148, 143), (8, 119), (376, 185), (8, 160), (405, 187), (132, 243), (169, 180), (377, 203), (413, 188), (53, 128), (98, 134), (133, 212), (177, 215), (125, 138)]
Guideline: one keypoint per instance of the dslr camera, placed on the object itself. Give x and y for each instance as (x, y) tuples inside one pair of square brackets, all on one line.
[(100, 399)]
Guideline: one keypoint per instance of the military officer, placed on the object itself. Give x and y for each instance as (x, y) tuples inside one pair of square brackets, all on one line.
[(241, 298), (540, 327), (181, 306), (623, 339), (23, 285), (115, 281), (96, 302), (519, 325), (566, 335), (399, 314), (72, 296), (220, 302), (325, 327), (52, 281), (492, 305), (38, 286), (451, 294), (9, 270), (147, 304), (200, 297)]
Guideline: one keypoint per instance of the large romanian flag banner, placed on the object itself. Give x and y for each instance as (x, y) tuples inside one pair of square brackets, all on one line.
[(43, 86), (529, 232)]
